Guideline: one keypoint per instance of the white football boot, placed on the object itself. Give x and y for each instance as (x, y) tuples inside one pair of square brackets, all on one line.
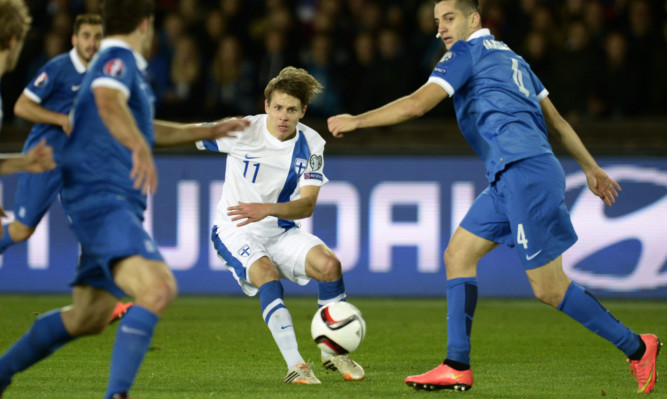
[(301, 374), (348, 368)]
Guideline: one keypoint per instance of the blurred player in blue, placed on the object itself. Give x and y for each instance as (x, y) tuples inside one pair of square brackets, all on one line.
[(274, 173), (108, 170), (14, 25), (503, 110), (47, 101)]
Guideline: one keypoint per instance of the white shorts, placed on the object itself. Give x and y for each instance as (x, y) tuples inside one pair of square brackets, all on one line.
[(239, 249)]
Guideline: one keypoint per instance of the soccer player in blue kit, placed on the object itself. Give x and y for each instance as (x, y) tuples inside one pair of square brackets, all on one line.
[(108, 170), (503, 110), (15, 23), (274, 173), (47, 101)]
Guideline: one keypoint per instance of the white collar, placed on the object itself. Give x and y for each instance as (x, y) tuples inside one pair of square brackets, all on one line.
[(479, 33), (141, 61), (76, 60)]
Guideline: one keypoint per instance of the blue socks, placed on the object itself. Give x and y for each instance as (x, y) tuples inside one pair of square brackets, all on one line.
[(331, 291), (582, 306), (279, 320), (45, 336), (6, 240), (270, 298), (461, 303), (133, 338)]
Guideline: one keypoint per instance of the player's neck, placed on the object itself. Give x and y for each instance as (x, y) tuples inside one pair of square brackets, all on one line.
[(132, 40)]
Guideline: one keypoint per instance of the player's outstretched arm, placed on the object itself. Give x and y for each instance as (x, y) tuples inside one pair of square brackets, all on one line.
[(36, 160), (401, 110), (33, 112), (168, 134), (117, 118), (599, 182)]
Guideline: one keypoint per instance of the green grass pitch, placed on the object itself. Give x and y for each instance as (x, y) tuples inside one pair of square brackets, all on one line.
[(219, 347)]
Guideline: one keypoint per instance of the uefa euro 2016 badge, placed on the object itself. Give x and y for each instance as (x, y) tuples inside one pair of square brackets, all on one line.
[(114, 68), (42, 79), (448, 56), (315, 162)]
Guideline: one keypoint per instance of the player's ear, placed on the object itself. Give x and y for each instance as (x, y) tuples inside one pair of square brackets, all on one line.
[(475, 20), (73, 40), (303, 111), (266, 106)]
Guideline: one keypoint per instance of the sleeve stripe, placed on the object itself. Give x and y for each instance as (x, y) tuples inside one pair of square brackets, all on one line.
[(34, 97), (543, 94), (208, 145), (112, 84), (442, 83)]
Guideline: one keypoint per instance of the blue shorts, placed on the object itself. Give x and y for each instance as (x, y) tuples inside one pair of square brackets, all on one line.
[(35, 194), (525, 208), (111, 232)]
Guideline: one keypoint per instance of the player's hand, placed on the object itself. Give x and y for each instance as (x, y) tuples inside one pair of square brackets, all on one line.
[(603, 186), (251, 212), (39, 158), (143, 170), (227, 128), (343, 123)]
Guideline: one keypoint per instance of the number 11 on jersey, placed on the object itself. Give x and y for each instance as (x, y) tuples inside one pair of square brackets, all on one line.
[(245, 170)]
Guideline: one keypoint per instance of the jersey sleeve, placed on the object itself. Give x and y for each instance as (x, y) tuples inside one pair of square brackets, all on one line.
[(112, 71), (224, 144), (454, 69), (314, 174), (43, 84), (540, 91)]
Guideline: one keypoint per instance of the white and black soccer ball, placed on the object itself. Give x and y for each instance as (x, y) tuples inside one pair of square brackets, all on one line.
[(338, 328)]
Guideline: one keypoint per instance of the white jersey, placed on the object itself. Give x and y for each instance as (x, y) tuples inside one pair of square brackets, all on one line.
[(262, 169)]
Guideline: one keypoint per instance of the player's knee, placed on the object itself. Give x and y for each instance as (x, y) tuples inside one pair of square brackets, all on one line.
[(158, 295), (454, 259), (330, 269)]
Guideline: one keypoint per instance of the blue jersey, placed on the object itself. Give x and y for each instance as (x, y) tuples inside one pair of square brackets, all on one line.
[(497, 100), (95, 165), (54, 88)]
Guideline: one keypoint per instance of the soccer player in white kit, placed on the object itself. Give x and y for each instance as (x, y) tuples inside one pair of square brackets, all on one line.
[(274, 172)]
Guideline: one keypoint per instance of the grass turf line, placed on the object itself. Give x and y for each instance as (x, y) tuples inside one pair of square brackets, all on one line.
[(219, 347)]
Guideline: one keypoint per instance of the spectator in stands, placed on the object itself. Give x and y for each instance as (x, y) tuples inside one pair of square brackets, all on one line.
[(183, 98), (574, 68), (319, 62), (232, 81)]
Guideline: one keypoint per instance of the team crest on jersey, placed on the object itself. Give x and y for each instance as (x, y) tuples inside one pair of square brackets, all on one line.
[(115, 68), (41, 80), (315, 162), (448, 56), (245, 250), (300, 165)]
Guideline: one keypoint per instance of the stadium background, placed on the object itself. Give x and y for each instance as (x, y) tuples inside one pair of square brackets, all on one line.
[(603, 60)]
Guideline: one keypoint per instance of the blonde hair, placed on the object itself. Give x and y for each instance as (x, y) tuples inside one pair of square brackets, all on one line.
[(296, 82), (14, 21)]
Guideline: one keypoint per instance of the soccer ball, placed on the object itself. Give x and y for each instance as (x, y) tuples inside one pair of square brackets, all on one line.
[(338, 328)]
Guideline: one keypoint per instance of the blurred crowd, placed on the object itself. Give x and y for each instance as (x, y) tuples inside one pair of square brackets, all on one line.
[(598, 58)]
